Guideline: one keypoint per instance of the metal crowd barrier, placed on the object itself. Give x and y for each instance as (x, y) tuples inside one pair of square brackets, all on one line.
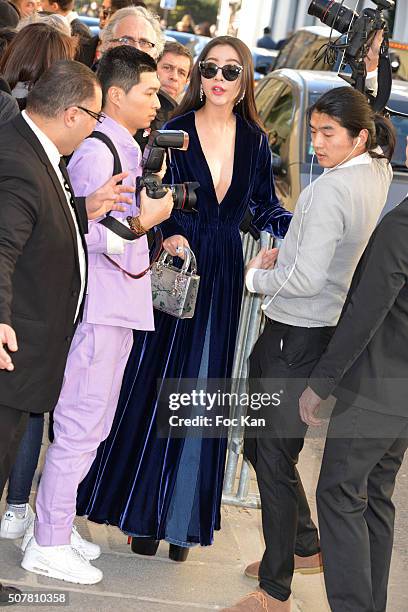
[(237, 473)]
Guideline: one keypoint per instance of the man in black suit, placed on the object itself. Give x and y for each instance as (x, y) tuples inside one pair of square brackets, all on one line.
[(365, 366), (42, 246), (8, 107)]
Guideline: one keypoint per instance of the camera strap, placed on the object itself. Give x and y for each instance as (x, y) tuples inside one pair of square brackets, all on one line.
[(154, 253), (384, 83), (154, 236), (109, 222)]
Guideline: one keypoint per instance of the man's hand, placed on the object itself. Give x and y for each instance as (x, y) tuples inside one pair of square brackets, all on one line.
[(373, 56), (175, 246), (7, 337), (309, 403), (109, 197), (265, 260), (153, 212)]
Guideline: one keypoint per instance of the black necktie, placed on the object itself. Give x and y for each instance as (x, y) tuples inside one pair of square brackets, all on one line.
[(67, 184)]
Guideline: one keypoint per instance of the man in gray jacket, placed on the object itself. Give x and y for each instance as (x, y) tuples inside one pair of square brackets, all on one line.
[(306, 288)]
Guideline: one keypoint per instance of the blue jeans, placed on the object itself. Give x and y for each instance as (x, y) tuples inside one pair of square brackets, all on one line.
[(183, 516), (22, 474)]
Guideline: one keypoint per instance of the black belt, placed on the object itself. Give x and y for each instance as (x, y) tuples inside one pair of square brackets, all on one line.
[(276, 323)]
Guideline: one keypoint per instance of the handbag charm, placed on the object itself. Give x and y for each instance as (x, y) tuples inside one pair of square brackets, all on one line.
[(174, 290)]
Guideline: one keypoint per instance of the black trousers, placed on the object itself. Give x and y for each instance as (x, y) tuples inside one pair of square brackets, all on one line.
[(364, 451), (13, 424), (281, 361)]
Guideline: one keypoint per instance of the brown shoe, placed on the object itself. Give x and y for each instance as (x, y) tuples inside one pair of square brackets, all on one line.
[(309, 565), (260, 601), (252, 570), (303, 565)]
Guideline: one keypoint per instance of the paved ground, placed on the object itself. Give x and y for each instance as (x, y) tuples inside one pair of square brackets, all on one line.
[(212, 577)]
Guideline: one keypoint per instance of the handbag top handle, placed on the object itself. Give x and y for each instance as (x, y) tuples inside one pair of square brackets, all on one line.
[(190, 260)]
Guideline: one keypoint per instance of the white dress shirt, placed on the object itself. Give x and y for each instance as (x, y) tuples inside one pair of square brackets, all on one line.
[(54, 156)]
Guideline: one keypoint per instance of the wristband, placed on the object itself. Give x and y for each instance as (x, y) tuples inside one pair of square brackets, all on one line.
[(135, 226)]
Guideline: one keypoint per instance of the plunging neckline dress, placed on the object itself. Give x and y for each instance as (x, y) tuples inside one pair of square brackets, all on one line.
[(168, 487)]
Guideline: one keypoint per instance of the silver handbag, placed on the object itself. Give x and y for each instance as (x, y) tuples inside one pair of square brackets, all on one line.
[(175, 289)]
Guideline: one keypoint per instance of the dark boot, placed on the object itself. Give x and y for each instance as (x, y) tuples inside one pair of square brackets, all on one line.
[(178, 553), (144, 546)]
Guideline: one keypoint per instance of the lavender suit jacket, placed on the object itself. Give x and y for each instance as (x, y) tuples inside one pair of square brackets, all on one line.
[(113, 298)]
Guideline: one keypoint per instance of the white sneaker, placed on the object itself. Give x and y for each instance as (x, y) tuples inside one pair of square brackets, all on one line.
[(60, 562), (27, 536), (87, 549), (13, 526)]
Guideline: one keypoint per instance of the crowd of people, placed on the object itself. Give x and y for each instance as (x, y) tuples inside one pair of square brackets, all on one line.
[(79, 337)]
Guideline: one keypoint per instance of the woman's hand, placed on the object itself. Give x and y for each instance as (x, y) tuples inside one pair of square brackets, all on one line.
[(175, 245)]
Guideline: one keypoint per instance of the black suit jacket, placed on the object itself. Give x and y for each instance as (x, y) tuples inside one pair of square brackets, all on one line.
[(366, 362), (39, 269)]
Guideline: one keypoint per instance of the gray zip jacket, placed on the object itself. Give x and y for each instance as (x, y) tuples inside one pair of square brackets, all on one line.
[(326, 244)]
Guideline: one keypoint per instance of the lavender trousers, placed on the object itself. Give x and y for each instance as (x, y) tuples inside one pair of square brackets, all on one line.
[(82, 420)]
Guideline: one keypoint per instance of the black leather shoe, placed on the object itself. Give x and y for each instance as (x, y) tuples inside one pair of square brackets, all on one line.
[(145, 546), (5, 591), (178, 553)]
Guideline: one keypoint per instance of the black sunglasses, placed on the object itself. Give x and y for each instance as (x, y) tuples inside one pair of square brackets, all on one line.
[(98, 116), (230, 72)]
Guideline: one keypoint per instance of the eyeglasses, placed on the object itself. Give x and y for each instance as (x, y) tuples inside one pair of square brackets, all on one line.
[(142, 43), (98, 116), (230, 72)]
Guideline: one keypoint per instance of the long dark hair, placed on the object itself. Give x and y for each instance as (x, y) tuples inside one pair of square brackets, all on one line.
[(352, 110), (246, 107), (33, 50)]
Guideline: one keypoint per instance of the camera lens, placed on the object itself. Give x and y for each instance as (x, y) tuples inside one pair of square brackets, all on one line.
[(184, 196), (332, 14)]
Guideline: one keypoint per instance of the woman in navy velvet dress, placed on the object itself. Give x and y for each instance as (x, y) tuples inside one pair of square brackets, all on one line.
[(167, 488)]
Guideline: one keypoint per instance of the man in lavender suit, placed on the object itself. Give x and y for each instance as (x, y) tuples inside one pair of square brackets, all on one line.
[(115, 304)]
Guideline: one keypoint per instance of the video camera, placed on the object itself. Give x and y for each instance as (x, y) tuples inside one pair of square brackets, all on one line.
[(184, 196), (360, 30)]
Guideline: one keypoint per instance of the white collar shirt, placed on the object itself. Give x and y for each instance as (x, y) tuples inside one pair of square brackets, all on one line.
[(54, 156)]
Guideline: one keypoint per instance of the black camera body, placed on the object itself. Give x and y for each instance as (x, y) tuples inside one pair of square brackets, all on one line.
[(184, 196), (360, 30), (340, 17), (384, 5)]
